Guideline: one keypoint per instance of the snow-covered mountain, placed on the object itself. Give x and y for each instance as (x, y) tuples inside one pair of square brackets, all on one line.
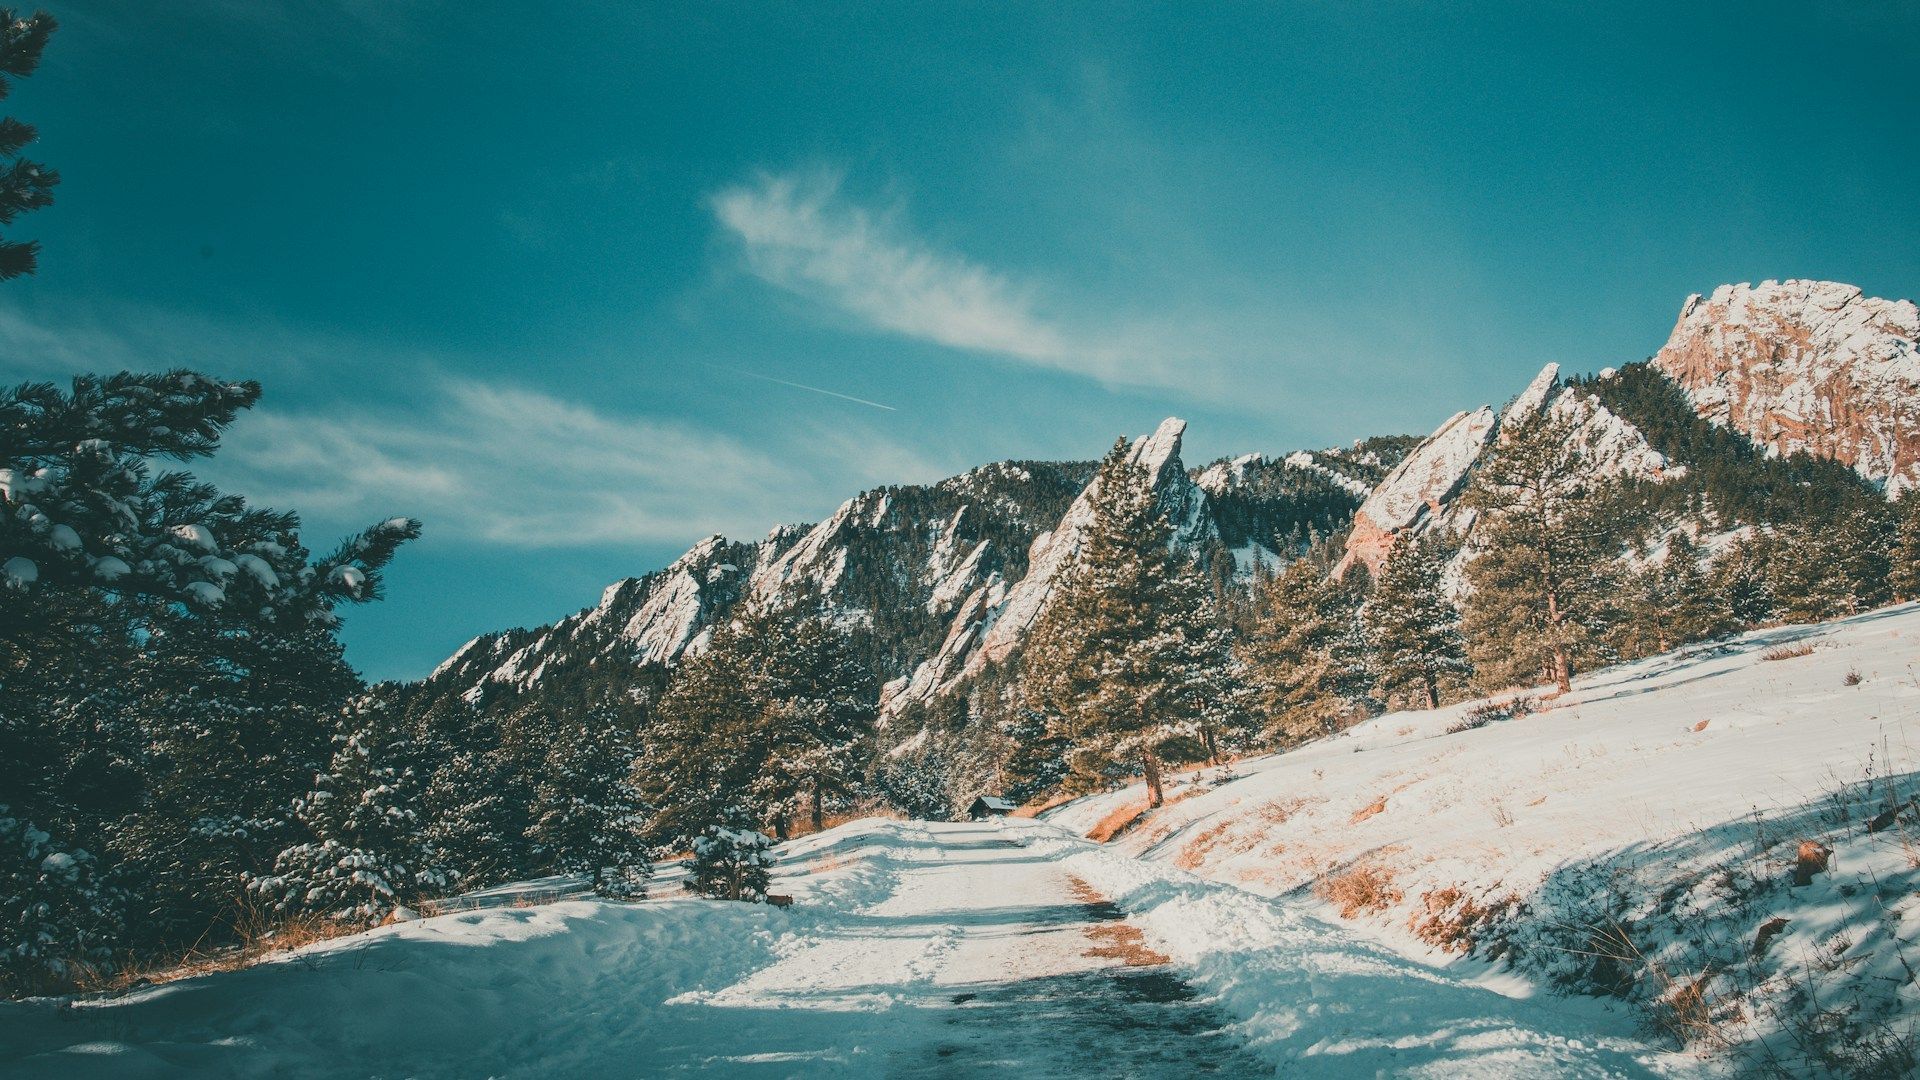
[(1806, 365), (1423, 493), (943, 580), (936, 579), (895, 560)]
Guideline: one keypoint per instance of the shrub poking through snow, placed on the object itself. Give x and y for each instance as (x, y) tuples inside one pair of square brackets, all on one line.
[(731, 864), (1787, 652), (1487, 712)]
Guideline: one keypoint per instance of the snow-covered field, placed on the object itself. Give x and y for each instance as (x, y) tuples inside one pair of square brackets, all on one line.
[(1638, 833), (1650, 820)]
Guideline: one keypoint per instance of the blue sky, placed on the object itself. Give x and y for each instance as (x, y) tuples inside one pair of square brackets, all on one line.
[(532, 277)]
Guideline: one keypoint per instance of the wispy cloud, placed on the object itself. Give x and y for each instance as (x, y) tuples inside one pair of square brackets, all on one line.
[(801, 233), (507, 465), (480, 459)]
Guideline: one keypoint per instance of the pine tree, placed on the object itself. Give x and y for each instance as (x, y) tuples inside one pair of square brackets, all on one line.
[(478, 802), (1672, 602), (1414, 626), (366, 853), (1806, 574), (56, 908), (1310, 664), (1739, 574), (24, 185), (1113, 661), (1543, 583), (731, 860), (1205, 681), (587, 813), (820, 707), (1903, 577), (772, 713)]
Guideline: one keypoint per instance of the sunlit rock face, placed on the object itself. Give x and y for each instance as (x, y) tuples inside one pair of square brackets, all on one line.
[(1806, 365)]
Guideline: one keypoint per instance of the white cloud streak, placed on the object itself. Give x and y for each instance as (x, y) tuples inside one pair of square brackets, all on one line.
[(801, 234)]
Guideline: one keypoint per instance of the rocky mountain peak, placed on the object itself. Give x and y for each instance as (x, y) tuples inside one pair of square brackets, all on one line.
[(1813, 366)]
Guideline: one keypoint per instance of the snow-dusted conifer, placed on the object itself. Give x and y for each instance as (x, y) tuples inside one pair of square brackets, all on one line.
[(587, 814), (1108, 661), (731, 860), (1544, 581), (366, 854), (24, 185), (1412, 623)]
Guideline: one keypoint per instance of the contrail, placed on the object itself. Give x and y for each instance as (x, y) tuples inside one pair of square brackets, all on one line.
[(804, 386)]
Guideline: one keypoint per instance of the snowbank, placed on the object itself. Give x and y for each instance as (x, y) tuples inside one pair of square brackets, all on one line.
[(556, 990)]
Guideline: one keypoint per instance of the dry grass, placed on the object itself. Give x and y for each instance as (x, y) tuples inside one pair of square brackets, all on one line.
[(1119, 821), (1195, 851), (1279, 811), (1378, 805), (260, 937), (1035, 809), (1787, 652), (1454, 922), (1120, 941), (1124, 942), (1358, 890)]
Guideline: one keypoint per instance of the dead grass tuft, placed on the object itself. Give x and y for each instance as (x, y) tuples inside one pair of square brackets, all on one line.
[(1119, 821), (1194, 852), (1453, 922), (1787, 652), (260, 935), (1358, 890), (1378, 805), (1124, 942)]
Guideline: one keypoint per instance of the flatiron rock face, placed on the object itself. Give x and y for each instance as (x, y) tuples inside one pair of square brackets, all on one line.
[(1806, 365)]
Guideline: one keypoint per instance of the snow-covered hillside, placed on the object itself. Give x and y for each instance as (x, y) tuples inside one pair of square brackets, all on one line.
[(1639, 836)]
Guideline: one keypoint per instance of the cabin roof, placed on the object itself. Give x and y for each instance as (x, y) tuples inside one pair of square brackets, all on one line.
[(995, 802)]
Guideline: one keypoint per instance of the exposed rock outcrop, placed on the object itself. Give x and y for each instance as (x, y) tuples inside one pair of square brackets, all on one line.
[(1806, 365)]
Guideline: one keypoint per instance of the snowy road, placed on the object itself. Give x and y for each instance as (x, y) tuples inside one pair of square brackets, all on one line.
[(988, 956), (912, 950)]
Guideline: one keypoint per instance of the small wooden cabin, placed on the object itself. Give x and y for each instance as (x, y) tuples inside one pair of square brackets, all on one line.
[(989, 806)]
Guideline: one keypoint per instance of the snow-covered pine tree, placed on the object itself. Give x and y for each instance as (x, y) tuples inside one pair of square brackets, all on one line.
[(56, 908), (167, 650), (1544, 581), (1672, 602), (1108, 661), (702, 748), (731, 860), (233, 724), (1205, 685), (587, 813), (477, 804), (819, 707), (1807, 572), (1739, 574), (1307, 656), (365, 854), (24, 185), (1903, 579), (1413, 624)]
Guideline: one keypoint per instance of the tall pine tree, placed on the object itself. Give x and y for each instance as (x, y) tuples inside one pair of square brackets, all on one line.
[(1413, 625), (1123, 659), (1545, 576)]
